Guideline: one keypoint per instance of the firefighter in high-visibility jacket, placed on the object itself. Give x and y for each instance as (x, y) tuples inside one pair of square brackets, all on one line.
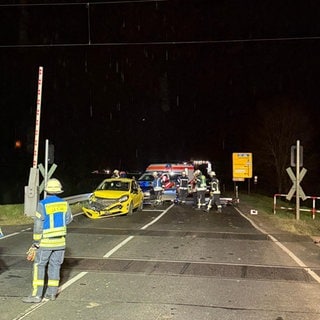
[(49, 232), (214, 192), (201, 186)]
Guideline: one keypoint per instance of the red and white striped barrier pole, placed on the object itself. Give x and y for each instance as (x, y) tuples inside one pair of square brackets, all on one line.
[(38, 113)]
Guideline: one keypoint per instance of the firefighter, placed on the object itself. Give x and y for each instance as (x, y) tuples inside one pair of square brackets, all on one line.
[(157, 187), (214, 192), (115, 174), (182, 187), (201, 185), (193, 184), (49, 232)]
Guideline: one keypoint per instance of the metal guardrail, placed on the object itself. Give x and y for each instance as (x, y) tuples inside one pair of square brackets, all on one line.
[(77, 198)]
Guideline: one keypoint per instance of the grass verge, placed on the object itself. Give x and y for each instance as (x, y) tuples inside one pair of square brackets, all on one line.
[(13, 214), (283, 219)]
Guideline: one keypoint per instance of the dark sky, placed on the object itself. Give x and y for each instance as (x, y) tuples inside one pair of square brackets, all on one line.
[(131, 82)]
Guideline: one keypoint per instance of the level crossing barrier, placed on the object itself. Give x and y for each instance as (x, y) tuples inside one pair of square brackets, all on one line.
[(312, 210)]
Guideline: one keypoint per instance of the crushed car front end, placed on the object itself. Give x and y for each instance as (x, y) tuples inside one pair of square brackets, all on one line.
[(99, 206)]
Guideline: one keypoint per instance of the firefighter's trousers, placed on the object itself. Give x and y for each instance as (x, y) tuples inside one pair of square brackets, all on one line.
[(201, 195), (53, 259), (182, 195), (214, 200)]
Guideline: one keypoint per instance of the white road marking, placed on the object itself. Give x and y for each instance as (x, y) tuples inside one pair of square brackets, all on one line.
[(125, 241), (72, 280), (14, 234), (117, 247), (33, 307), (82, 274), (157, 218), (284, 248)]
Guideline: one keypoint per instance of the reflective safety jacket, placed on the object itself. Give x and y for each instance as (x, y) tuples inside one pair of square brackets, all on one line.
[(50, 223), (201, 183), (214, 186)]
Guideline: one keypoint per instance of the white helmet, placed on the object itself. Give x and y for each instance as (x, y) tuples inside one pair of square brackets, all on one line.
[(197, 172), (155, 174), (212, 174), (184, 173), (53, 186)]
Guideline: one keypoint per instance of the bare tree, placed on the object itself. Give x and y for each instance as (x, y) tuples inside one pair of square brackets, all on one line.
[(280, 123)]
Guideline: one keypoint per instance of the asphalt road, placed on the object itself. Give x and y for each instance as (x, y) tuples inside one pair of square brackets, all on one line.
[(169, 262)]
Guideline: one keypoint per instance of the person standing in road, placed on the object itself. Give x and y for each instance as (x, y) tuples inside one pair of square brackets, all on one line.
[(214, 192), (183, 181), (157, 187), (49, 232), (193, 183), (201, 190)]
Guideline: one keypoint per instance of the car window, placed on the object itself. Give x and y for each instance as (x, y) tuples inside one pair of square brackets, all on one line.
[(146, 177), (114, 185)]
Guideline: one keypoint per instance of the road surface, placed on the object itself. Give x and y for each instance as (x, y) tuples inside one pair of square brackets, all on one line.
[(169, 262)]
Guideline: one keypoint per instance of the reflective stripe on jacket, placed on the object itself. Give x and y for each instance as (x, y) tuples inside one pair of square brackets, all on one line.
[(214, 186), (52, 216)]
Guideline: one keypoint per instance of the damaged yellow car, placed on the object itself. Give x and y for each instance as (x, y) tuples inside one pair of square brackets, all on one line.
[(114, 196)]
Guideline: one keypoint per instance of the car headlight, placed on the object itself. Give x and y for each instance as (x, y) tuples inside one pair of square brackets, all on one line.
[(124, 198)]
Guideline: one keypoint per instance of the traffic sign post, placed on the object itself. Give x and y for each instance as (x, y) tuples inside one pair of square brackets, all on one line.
[(296, 179), (293, 157)]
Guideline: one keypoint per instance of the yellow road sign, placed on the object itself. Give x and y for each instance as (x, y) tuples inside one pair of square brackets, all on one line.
[(242, 165)]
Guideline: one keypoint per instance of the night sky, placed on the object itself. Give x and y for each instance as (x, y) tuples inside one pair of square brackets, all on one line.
[(127, 83)]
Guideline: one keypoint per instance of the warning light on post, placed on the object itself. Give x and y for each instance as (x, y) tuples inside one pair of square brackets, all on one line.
[(17, 144)]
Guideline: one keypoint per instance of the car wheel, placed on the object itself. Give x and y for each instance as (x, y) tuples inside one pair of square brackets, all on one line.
[(130, 211)]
